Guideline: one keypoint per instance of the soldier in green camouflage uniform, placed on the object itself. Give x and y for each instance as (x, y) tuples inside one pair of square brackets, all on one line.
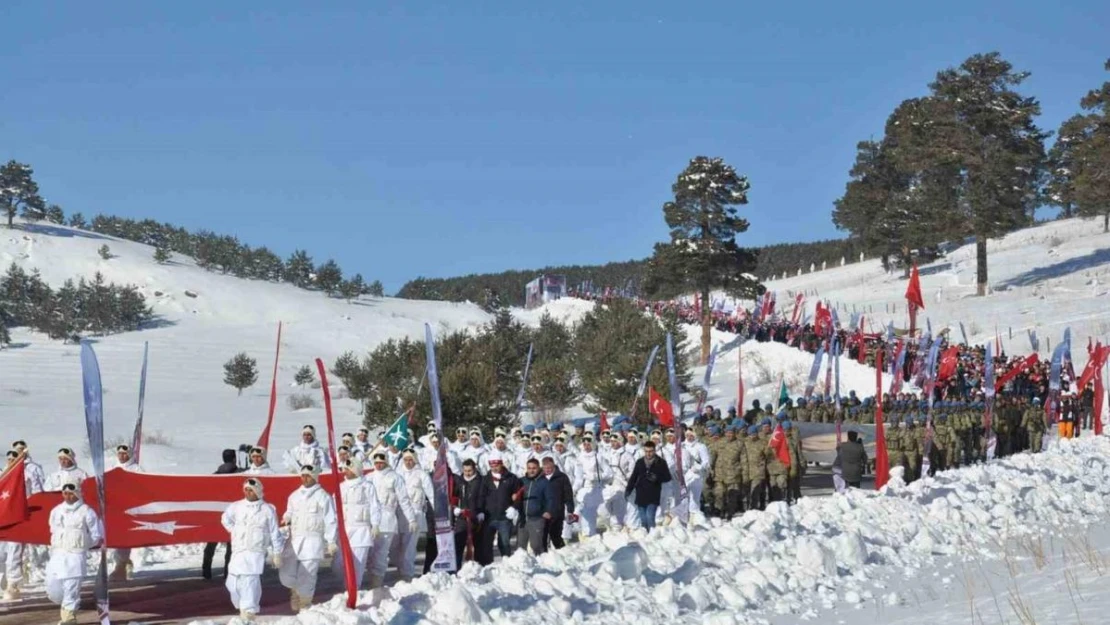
[(728, 473), (1033, 422), (756, 468)]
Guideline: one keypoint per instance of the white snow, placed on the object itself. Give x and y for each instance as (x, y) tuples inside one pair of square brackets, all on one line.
[(831, 559)]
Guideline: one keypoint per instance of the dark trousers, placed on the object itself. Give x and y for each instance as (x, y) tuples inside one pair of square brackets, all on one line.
[(499, 531), (856, 484), (555, 532), (209, 554)]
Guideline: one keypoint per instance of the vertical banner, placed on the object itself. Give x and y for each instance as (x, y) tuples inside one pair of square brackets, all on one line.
[(963, 333), (137, 435), (1052, 405), (988, 392), (899, 363), (94, 425), (264, 439), (828, 369), (682, 505), (523, 382), (441, 475), (836, 366), (814, 369), (882, 458), (643, 381), (739, 378), (344, 541), (705, 382)]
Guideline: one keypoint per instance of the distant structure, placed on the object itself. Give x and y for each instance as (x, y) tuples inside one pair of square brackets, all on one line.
[(546, 288)]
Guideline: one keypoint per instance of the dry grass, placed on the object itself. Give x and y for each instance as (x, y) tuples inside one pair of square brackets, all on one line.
[(299, 401)]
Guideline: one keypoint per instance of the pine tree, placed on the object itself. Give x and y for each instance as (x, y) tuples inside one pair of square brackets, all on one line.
[(304, 376), (976, 137), (162, 254), (298, 269), (349, 290), (329, 276), (20, 192), (77, 220), (55, 215), (553, 384), (376, 289), (5, 335), (1081, 156), (702, 254), (241, 372), (105, 252)]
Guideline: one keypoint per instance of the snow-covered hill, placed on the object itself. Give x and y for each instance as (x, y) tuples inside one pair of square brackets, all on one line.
[(186, 399)]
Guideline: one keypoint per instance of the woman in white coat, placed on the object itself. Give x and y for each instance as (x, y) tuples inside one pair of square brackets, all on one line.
[(397, 508), (74, 530), (253, 526), (418, 484), (362, 515), (313, 530)]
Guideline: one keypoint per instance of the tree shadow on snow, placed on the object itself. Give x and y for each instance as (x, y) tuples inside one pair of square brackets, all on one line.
[(934, 269), (56, 231), (1057, 270)]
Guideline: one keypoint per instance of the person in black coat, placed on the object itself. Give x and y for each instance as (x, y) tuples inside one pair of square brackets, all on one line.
[(500, 493), (562, 502), (648, 477), (853, 460), (467, 511), (229, 466)]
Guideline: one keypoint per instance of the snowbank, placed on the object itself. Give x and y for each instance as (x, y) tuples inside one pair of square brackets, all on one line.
[(822, 553)]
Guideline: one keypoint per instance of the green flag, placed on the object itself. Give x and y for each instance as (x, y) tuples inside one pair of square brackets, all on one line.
[(398, 434), (784, 395)]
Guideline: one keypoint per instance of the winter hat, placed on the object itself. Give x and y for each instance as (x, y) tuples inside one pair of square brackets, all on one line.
[(19, 445), (258, 451), (254, 484), (310, 430), (310, 469), (753, 430), (786, 425), (13, 454), (66, 452), (354, 465), (380, 455), (343, 448), (364, 430), (496, 458)]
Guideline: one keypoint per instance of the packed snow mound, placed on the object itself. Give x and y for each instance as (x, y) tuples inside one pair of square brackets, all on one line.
[(568, 310), (818, 554)]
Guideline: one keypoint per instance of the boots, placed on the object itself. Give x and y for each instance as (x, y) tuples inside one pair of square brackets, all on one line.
[(12, 593), (247, 617), (119, 572), (306, 602), (294, 601), (68, 617)]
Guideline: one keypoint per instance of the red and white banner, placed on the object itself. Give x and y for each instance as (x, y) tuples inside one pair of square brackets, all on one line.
[(145, 509)]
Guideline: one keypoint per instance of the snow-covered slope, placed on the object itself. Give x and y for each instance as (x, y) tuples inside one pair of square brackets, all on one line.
[(186, 398)]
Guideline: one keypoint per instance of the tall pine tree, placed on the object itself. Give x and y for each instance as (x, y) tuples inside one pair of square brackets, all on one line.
[(20, 192), (1080, 159), (702, 254)]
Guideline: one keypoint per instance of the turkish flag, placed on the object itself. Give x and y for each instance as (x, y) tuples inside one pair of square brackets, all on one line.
[(661, 408), (13, 495), (604, 424), (913, 289), (146, 509), (948, 362), (779, 444)]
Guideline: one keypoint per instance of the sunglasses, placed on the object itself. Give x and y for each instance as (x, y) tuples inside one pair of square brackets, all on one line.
[(253, 483), (65, 451), (69, 488)]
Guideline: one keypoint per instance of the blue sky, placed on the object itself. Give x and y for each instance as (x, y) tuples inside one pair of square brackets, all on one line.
[(441, 138)]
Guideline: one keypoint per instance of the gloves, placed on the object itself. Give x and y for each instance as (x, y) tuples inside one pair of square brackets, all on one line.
[(412, 527), (481, 516), (458, 511), (512, 514), (276, 560), (331, 549), (573, 518)]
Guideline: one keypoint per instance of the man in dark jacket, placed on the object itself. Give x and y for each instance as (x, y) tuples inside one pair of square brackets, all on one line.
[(853, 459), (467, 499), (535, 508), (648, 477), (562, 501), (500, 492), (229, 466)]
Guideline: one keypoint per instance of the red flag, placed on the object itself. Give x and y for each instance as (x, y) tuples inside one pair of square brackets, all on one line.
[(1096, 413), (914, 299), (264, 439), (740, 380), (781, 447), (604, 425), (661, 408), (344, 541), (13, 495), (948, 362), (913, 289), (1029, 361), (882, 459)]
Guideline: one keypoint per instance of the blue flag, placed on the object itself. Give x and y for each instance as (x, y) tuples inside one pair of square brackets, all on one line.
[(137, 435), (814, 370), (444, 530), (94, 425)]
